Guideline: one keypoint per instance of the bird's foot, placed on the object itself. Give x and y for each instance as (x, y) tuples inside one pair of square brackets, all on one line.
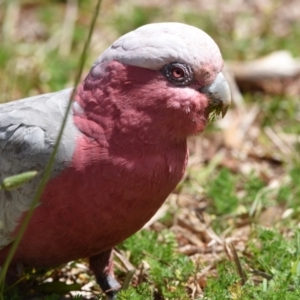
[(102, 265), (109, 286)]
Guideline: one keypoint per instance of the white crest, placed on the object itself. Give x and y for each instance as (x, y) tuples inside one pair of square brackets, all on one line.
[(154, 45)]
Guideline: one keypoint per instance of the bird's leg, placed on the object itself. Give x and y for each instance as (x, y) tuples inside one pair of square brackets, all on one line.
[(102, 266)]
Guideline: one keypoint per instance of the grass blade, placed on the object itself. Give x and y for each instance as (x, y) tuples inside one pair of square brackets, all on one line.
[(50, 163)]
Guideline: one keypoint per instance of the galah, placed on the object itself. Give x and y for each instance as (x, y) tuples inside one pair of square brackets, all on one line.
[(123, 151)]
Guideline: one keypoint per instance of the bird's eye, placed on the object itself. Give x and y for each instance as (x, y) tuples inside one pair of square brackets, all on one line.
[(178, 73)]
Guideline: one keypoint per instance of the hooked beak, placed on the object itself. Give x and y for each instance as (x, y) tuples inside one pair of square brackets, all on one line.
[(219, 94)]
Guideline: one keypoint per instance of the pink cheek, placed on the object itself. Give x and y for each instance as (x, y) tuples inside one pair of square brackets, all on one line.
[(188, 100), (175, 104)]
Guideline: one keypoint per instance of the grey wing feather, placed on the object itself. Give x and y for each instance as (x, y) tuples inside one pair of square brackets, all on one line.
[(28, 130)]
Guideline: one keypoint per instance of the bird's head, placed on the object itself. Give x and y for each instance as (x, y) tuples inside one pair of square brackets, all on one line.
[(164, 77)]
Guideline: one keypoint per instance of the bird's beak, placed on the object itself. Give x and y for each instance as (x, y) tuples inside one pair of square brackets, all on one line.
[(219, 94)]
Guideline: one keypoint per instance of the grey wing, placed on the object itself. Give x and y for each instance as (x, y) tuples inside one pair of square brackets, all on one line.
[(28, 130)]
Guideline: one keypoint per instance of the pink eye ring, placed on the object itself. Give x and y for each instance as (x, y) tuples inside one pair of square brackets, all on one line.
[(179, 74)]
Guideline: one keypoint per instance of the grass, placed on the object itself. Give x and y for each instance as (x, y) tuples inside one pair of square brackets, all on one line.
[(168, 271), (242, 190)]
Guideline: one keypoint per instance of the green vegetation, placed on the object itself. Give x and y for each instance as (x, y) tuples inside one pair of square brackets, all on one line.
[(168, 271)]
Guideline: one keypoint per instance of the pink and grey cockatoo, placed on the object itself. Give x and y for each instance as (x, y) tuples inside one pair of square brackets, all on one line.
[(123, 151)]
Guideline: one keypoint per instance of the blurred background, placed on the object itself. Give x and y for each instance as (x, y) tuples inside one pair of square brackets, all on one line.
[(230, 230)]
